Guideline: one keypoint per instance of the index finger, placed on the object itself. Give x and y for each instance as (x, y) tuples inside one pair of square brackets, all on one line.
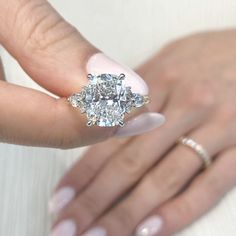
[(30, 117)]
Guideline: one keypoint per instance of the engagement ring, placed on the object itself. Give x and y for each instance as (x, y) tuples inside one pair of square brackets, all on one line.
[(106, 100)]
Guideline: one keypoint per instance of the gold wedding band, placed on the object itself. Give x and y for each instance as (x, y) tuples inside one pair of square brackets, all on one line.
[(198, 149)]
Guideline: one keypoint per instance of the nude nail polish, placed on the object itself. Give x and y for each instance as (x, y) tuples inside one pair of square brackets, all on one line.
[(100, 64), (141, 124), (65, 228), (149, 227), (97, 231), (60, 199)]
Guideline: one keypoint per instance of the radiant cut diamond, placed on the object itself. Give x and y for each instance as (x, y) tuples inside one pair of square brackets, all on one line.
[(106, 100)]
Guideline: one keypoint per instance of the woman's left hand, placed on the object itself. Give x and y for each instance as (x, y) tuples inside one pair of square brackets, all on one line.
[(149, 184)]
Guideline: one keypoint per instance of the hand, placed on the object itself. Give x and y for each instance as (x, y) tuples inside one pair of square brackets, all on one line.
[(57, 57), (149, 184)]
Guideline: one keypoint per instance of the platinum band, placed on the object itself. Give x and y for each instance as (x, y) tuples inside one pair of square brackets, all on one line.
[(197, 148)]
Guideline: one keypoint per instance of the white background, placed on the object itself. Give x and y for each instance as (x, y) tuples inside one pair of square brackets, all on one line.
[(130, 31)]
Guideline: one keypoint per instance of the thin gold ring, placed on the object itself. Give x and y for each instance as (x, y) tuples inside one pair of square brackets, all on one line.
[(198, 149)]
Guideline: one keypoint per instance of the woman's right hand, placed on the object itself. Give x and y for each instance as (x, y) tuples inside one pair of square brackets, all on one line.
[(57, 57)]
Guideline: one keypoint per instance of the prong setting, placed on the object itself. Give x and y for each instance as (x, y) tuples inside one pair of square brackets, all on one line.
[(121, 123), (121, 77), (90, 77), (106, 100)]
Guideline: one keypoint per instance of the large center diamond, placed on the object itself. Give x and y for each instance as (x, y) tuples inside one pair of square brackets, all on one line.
[(106, 99)]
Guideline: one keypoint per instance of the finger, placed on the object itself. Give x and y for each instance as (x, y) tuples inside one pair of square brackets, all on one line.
[(161, 77), (53, 52), (158, 186), (57, 57), (203, 194), (127, 167), (153, 76), (83, 172), (30, 117)]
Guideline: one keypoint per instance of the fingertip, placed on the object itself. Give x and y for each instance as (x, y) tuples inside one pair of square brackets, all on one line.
[(150, 227), (141, 124), (60, 199)]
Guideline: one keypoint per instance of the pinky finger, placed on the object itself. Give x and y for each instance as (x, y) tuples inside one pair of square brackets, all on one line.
[(202, 195)]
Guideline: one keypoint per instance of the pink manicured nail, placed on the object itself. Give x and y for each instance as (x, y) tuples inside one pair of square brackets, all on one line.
[(141, 124), (150, 227), (98, 231), (65, 228), (60, 199), (100, 64)]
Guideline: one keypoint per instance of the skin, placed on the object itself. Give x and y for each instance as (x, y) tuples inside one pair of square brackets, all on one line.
[(193, 82), (54, 54)]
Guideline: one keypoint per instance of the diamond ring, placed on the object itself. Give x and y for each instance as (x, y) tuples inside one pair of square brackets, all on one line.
[(106, 100)]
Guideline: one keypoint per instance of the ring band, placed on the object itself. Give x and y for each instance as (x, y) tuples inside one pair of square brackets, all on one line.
[(197, 148)]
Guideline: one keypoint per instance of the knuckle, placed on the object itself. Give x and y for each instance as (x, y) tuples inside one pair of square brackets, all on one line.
[(65, 141), (171, 184), (47, 28), (226, 121), (213, 188), (228, 112), (165, 182), (68, 139), (131, 165), (186, 209), (64, 137), (88, 168), (90, 205), (123, 217), (199, 96), (169, 74)]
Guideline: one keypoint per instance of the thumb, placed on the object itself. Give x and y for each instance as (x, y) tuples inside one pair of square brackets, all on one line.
[(52, 51)]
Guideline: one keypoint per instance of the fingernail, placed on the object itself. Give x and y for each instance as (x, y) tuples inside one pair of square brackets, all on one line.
[(65, 228), (102, 64), (150, 227), (98, 231), (141, 124), (60, 199)]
